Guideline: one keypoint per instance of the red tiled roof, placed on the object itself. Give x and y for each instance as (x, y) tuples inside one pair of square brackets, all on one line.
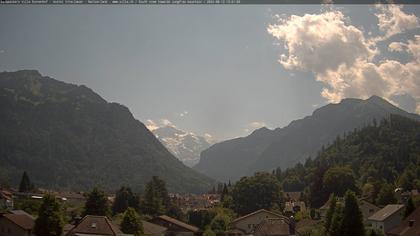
[(23, 221)]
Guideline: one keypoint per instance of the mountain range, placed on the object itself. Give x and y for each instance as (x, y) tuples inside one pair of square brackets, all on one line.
[(68, 137), (186, 146), (266, 149)]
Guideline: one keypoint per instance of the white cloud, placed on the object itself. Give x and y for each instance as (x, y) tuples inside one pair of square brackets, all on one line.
[(392, 20), (166, 122), (341, 57), (396, 47), (318, 43), (254, 125), (182, 114), (152, 125)]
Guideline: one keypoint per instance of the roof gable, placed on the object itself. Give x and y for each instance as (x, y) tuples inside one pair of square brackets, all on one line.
[(23, 221), (274, 215), (97, 225), (386, 212), (178, 223)]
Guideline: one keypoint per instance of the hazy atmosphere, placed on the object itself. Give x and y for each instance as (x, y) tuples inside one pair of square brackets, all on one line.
[(220, 70)]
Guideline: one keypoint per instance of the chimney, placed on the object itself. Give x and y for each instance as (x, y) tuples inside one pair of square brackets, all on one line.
[(411, 223)]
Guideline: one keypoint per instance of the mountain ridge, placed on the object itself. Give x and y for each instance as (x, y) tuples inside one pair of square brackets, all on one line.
[(186, 146), (265, 149), (80, 138)]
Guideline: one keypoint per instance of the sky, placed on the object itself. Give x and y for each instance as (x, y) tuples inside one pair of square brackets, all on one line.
[(222, 71)]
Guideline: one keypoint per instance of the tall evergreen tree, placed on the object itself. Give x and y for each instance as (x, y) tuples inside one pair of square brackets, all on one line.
[(25, 185), (330, 212), (352, 223), (132, 223), (336, 221), (97, 203), (156, 197), (409, 207), (125, 198), (224, 193), (50, 220)]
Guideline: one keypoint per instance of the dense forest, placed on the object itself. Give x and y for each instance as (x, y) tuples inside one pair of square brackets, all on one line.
[(372, 161)]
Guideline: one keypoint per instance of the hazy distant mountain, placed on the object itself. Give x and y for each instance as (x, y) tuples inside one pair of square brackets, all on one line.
[(184, 145), (66, 136), (266, 149)]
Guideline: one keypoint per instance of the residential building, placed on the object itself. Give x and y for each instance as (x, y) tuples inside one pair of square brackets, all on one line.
[(6, 200), (367, 209), (246, 224), (174, 226), (410, 226), (387, 218), (275, 227), (95, 225), (291, 207), (16, 225), (151, 229)]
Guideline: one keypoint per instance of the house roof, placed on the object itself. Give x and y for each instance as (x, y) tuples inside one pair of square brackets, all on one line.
[(256, 212), (96, 225), (23, 221), (179, 223), (274, 226), (152, 229), (306, 223), (366, 204), (6, 196), (21, 212), (385, 212), (404, 229)]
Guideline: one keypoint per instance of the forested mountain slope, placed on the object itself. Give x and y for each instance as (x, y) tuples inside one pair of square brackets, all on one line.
[(68, 137)]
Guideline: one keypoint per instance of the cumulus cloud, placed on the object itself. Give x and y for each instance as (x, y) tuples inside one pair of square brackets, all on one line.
[(319, 43), (341, 57), (392, 20)]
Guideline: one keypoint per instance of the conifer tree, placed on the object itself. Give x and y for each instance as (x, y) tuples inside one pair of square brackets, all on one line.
[(330, 212), (132, 223), (124, 198), (224, 193), (335, 227), (97, 203), (156, 197), (352, 223), (409, 207), (50, 220), (25, 185)]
